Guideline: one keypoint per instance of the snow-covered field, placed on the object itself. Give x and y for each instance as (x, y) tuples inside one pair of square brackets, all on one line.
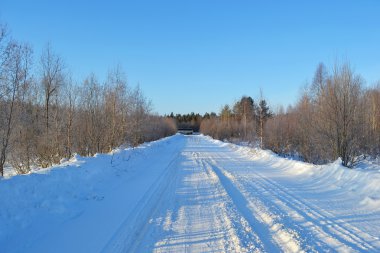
[(191, 194)]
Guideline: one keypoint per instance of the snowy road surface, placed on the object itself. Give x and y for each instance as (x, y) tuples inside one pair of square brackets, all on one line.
[(195, 194)]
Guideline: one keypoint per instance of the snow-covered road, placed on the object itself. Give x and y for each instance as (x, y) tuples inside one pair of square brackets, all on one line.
[(217, 199), (192, 194)]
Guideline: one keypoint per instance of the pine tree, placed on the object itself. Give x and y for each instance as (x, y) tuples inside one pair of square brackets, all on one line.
[(262, 115), (244, 110)]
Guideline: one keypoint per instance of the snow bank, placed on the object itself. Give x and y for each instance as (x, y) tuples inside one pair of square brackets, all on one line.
[(39, 204), (362, 181)]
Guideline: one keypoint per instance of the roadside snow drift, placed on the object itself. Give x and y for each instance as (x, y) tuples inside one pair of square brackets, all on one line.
[(191, 193)]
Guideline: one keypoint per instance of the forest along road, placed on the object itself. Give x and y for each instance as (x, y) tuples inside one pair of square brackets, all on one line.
[(215, 198)]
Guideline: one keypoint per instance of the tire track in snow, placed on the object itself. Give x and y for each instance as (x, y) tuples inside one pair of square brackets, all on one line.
[(183, 235), (138, 222), (312, 237), (309, 238), (200, 197), (273, 236), (317, 224), (240, 232), (189, 211), (231, 241), (321, 220)]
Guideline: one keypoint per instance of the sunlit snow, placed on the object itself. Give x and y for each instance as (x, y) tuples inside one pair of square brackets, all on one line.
[(195, 194)]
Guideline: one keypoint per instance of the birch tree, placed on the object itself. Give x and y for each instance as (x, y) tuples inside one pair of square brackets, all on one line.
[(14, 74)]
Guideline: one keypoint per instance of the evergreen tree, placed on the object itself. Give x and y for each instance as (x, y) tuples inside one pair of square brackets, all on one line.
[(262, 115), (244, 111)]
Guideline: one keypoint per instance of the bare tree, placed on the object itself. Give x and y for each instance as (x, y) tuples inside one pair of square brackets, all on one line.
[(14, 76), (4, 41), (337, 102), (93, 120), (370, 144), (52, 78), (70, 106), (116, 92), (138, 110), (24, 144)]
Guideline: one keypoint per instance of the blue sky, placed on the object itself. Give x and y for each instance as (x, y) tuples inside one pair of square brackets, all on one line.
[(198, 55)]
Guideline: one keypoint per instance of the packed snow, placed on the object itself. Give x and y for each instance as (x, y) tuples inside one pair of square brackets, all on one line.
[(191, 194)]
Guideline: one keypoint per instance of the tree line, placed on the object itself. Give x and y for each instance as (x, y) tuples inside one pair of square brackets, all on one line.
[(243, 121), (335, 116), (190, 120), (46, 116)]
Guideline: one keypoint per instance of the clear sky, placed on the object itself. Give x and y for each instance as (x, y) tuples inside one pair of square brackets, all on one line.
[(197, 55)]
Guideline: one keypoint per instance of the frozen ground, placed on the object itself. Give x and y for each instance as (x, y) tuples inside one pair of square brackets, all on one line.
[(191, 194)]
